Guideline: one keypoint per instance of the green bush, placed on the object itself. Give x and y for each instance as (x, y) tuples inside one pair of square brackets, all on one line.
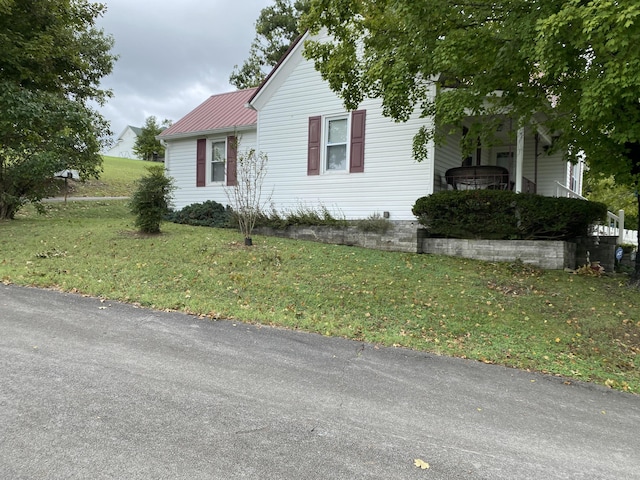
[(301, 215), (498, 214), (151, 199), (375, 223), (205, 214)]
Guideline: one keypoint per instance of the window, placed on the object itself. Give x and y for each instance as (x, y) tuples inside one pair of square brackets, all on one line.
[(336, 144), (218, 160)]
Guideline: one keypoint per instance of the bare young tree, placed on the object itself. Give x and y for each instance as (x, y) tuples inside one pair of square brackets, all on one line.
[(246, 197)]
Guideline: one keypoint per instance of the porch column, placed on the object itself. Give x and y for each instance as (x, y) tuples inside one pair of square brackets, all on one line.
[(519, 159)]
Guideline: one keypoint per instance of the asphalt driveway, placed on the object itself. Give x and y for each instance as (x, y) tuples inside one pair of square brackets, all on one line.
[(102, 390)]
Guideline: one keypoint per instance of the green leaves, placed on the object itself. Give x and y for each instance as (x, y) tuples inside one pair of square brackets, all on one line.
[(276, 29), (51, 62), (572, 61), (146, 144), (150, 202)]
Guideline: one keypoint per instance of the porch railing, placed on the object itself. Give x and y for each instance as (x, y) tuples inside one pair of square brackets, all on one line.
[(615, 223), (563, 191)]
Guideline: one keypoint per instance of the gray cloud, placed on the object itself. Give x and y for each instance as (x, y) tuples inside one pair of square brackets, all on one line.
[(173, 55)]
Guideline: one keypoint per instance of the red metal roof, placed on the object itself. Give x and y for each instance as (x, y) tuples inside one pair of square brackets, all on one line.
[(227, 110)]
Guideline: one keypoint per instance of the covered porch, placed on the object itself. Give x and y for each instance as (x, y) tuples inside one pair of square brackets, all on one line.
[(516, 159)]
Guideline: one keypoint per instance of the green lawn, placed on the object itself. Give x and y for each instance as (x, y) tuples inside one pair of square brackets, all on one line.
[(581, 327), (117, 179)]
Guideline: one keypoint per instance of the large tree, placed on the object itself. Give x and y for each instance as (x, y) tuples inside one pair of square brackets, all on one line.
[(147, 147), (573, 64), (51, 61), (276, 29)]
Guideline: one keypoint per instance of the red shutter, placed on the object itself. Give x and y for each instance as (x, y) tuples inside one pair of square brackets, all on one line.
[(315, 139), (232, 160), (201, 163), (356, 161)]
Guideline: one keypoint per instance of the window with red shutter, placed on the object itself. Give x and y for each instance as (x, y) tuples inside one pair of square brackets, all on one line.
[(201, 162), (356, 157), (232, 160), (332, 144), (314, 145)]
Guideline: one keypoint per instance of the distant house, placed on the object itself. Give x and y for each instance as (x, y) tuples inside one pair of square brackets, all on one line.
[(355, 163), (124, 143)]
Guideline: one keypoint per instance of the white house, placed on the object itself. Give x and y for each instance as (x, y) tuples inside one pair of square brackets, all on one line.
[(353, 163), (124, 143)]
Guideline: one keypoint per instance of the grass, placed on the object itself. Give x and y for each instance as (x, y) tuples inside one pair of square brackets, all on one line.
[(580, 327), (117, 180)]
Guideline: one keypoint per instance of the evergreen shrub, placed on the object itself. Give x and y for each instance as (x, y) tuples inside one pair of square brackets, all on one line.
[(151, 200), (499, 214), (205, 214)]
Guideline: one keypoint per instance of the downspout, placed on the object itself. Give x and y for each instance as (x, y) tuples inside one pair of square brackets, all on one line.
[(535, 163), (519, 159), (164, 143)]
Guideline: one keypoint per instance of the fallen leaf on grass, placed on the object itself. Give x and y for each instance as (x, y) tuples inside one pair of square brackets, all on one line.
[(421, 464)]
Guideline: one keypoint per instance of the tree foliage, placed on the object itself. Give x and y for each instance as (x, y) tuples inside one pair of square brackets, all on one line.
[(51, 61), (601, 188), (276, 29), (151, 201), (570, 66), (146, 143)]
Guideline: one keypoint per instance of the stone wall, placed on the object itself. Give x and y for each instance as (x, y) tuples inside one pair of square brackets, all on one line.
[(402, 236), (552, 255), (406, 236)]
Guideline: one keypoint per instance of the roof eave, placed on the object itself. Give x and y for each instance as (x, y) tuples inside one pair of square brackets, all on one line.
[(267, 79), (205, 133)]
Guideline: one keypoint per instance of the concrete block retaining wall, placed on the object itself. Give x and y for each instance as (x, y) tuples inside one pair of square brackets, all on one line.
[(552, 255), (401, 236), (409, 237)]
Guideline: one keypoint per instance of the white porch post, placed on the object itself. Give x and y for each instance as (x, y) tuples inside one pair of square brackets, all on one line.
[(519, 159)]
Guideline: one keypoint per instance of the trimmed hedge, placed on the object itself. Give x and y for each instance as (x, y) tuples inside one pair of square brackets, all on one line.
[(505, 215), (205, 214)]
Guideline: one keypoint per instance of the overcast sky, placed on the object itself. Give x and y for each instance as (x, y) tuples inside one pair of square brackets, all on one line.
[(173, 54)]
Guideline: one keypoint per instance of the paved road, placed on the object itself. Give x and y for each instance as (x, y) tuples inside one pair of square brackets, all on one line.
[(92, 390), (82, 199)]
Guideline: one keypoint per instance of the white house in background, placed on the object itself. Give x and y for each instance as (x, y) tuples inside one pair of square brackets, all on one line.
[(124, 143), (353, 163)]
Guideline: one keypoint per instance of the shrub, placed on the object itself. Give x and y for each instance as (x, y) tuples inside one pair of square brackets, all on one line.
[(301, 215), (246, 194), (498, 214), (374, 223), (205, 214), (151, 199)]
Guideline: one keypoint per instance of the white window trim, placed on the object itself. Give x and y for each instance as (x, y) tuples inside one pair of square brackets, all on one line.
[(209, 172), (325, 143)]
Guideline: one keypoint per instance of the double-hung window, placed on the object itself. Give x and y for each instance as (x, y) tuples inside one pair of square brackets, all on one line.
[(336, 147), (336, 143), (218, 161)]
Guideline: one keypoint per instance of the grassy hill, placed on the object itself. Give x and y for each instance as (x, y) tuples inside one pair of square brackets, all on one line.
[(117, 180)]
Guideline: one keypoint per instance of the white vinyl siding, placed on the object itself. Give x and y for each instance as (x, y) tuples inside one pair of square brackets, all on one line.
[(392, 180), (180, 164)]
